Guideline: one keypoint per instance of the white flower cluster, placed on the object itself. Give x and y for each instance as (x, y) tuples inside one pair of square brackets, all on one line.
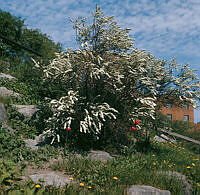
[(63, 110), (94, 118), (145, 109)]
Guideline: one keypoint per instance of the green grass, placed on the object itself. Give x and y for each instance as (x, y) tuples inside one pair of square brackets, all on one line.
[(136, 169), (141, 168), (13, 148), (138, 164), (194, 134)]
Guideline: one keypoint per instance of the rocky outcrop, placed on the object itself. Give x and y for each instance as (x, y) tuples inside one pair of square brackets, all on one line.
[(50, 179), (163, 139), (4, 92), (34, 144), (26, 110), (6, 76), (99, 155), (3, 118), (187, 188), (142, 190), (8, 128), (3, 115)]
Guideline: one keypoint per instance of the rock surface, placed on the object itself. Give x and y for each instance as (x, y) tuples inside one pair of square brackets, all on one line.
[(6, 76), (34, 144), (4, 92), (186, 185), (8, 128), (26, 110), (146, 190), (50, 179), (163, 139), (99, 155), (3, 116)]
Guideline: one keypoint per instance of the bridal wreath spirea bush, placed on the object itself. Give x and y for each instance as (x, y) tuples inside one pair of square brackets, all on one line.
[(107, 79)]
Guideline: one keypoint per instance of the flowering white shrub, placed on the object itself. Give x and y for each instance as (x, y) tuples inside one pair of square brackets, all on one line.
[(65, 111), (107, 77)]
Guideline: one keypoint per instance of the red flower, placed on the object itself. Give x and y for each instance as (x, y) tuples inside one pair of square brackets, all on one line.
[(136, 122), (68, 129), (133, 128)]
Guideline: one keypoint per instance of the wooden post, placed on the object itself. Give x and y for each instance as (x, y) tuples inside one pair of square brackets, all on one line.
[(180, 136)]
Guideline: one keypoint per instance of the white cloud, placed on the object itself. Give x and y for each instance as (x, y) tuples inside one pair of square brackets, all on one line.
[(165, 28)]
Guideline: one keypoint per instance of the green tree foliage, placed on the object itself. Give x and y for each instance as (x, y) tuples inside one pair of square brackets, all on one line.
[(107, 83), (17, 60), (10, 27), (41, 43)]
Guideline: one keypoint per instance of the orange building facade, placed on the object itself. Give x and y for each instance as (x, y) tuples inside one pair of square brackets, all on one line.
[(197, 126), (184, 113)]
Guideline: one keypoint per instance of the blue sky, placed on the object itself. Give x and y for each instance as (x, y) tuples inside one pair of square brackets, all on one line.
[(166, 29)]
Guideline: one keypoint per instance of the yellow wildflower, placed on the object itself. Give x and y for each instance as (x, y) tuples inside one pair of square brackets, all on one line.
[(154, 163), (193, 164), (198, 184), (188, 167), (153, 155), (71, 178), (37, 186), (89, 187), (170, 166), (165, 161), (81, 184), (115, 178)]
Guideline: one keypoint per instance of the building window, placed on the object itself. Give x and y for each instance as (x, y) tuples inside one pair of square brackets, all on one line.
[(186, 117), (168, 105), (169, 116), (186, 106)]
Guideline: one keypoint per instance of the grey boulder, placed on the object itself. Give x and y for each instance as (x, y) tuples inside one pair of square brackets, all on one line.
[(163, 139), (34, 144), (146, 190), (26, 110), (187, 188), (4, 92), (6, 76), (99, 155), (50, 179), (3, 116), (8, 128)]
